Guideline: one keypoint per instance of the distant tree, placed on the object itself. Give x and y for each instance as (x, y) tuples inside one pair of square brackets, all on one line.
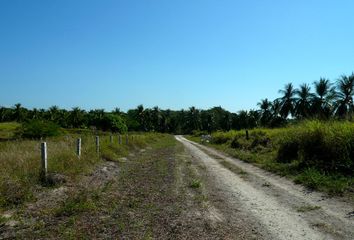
[(287, 100), (303, 101), (344, 104), (77, 117), (19, 113), (265, 110), (113, 123), (322, 103)]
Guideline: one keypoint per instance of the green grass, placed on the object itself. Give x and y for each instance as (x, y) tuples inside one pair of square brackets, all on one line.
[(8, 130), (308, 208), (319, 155), (195, 184)]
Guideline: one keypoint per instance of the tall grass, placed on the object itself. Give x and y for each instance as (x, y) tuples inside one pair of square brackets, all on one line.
[(318, 154)]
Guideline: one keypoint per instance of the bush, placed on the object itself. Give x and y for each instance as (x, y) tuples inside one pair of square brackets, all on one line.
[(221, 137), (259, 138), (235, 143), (113, 123), (38, 129)]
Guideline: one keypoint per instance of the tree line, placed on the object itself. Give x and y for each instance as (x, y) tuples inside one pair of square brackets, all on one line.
[(328, 100)]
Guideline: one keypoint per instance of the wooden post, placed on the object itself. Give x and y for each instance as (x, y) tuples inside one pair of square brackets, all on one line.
[(44, 163), (111, 139), (97, 144), (119, 139), (126, 139), (78, 147), (247, 136)]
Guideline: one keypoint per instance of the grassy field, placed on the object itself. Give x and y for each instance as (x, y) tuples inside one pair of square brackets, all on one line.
[(319, 155), (8, 130), (20, 160)]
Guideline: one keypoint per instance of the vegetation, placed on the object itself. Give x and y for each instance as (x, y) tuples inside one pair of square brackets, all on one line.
[(20, 161), (38, 129), (327, 101), (315, 153)]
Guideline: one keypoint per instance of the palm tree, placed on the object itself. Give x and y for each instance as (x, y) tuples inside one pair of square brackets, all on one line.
[(194, 119), (303, 101), (156, 118), (344, 105), (53, 113), (287, 100), (76, 117), (19, 112), (275, 108), (265, 109), (325, 93)]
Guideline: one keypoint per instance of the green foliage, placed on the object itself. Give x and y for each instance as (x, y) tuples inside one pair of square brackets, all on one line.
[(314, 179), (195, 184), (38, 129), (8, 130), (327, 146), (319, 154), (114, 123)]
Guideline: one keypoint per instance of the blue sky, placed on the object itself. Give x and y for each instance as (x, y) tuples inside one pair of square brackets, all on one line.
[(174, 54)]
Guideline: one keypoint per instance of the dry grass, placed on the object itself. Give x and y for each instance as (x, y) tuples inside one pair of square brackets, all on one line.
[(20, 161)]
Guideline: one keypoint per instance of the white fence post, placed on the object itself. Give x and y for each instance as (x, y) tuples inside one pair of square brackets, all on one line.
[(78, 147), (97, 144), (44, 163)]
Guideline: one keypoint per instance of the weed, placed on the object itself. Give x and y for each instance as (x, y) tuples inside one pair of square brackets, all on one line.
[(308, 208), (195, 184)]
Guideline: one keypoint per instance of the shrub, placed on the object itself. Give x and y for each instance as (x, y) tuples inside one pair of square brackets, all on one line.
[(235, 143), (259, 138), (221, 137), (38, 129), (198, 133), (288, 150), (113, 123), (326, 146)]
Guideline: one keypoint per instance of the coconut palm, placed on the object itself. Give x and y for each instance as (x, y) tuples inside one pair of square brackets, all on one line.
[(287, 100), (344, 104), (265, 110), (194, 118), (19, 112), (76, 117), (325, 93), (303, 101)]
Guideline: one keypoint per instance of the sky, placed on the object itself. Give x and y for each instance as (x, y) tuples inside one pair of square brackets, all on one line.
[(172, 54)]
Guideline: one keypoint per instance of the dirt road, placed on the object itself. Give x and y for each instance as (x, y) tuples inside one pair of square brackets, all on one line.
[(277, 208)]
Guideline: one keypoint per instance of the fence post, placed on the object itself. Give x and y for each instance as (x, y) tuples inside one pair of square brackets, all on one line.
[(119, 139), (78, 147), (44, 163), (111, 139), (126, 139), (97, 144)]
